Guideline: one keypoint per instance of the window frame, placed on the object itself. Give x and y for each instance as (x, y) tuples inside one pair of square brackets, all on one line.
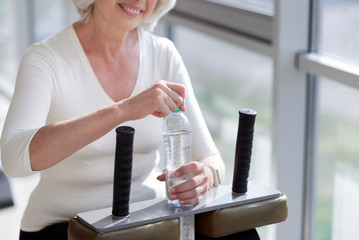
[(329, 67), (250, 22)]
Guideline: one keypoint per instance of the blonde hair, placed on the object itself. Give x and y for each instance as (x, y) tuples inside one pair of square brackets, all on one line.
[(85, 8)]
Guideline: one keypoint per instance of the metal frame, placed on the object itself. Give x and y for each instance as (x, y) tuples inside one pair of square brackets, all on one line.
[(221, 33), (311, 149), (245, 5), (289, 117), (156, 210), (329, 67), (255, 25)]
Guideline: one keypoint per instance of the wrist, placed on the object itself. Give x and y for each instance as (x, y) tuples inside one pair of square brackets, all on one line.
[(122, 111)]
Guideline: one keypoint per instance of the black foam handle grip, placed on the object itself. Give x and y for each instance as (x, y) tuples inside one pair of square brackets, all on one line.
[(243, 154), (123, 171)]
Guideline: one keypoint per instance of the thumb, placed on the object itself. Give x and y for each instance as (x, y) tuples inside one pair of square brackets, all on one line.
[(162, 177)]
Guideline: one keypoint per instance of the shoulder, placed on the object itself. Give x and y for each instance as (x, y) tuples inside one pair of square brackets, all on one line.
[(47, 60), (158, 43), (164, 57), (162, 50), (52, 47)]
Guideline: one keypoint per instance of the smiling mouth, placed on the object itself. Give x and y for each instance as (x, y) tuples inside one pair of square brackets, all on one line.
[(130, 10)]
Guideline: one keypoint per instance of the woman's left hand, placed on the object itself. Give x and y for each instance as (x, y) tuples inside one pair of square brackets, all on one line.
[(194, 189)]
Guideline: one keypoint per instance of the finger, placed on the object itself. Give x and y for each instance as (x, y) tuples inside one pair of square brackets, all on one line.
[(176, 92), (190, 201), (190, 197), (178, 88), (167, 100), (171, 101), (188, 168), (162, 111), (182, 107), (162, 108), (188, 185), (161, 177), (189, 193)]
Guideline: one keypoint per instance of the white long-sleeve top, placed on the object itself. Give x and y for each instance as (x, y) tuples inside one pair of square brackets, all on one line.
[(56, 82)]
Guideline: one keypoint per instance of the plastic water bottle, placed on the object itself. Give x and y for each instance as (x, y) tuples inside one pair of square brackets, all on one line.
[(177, 136)]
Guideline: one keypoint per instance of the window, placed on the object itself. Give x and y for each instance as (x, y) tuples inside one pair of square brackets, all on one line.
[(333, 153), (52, 16), (7, 47), (338, 165), (230, 78), (21, 23), (251, 4), (339, 37), (252, 19)]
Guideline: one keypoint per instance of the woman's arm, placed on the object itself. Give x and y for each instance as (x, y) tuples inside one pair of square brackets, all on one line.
[(53, 143)]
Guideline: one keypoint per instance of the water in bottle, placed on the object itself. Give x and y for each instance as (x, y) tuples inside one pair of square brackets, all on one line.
[(177, 135)]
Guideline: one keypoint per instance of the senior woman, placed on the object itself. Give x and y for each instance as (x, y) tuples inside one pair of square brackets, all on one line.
[(74, 88)]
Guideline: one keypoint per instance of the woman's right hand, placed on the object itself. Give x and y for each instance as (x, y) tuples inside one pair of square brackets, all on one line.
[(159, 100)]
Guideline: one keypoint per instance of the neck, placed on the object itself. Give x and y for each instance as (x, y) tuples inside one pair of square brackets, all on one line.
[(104, 39)]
